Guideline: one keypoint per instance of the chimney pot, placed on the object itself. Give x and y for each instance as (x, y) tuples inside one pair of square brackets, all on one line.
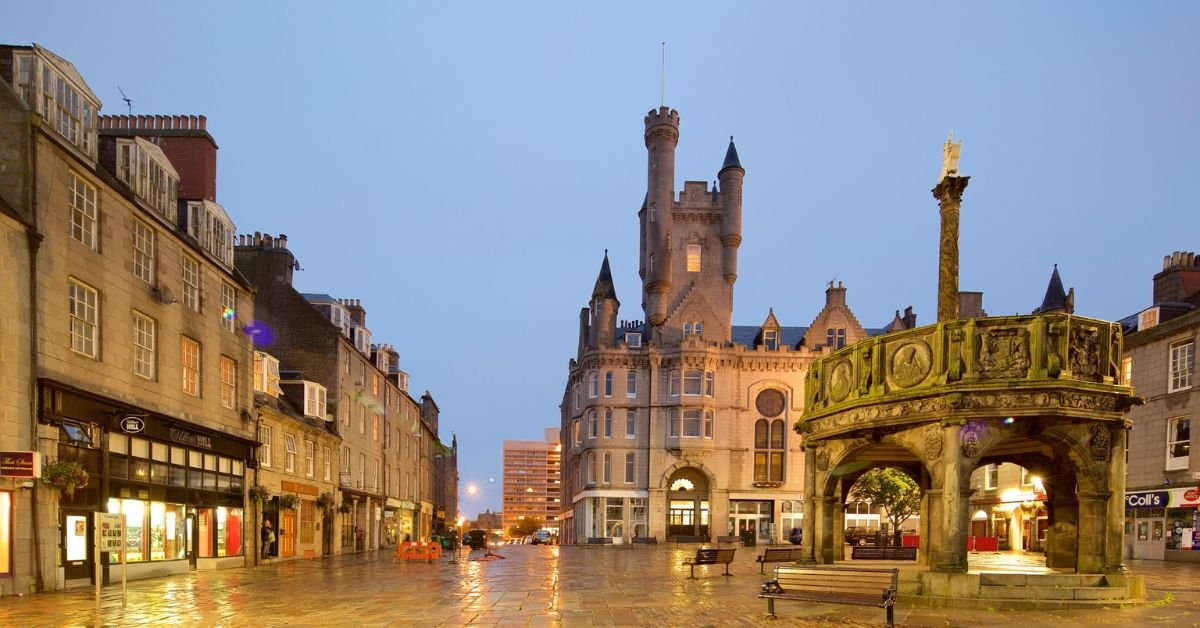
[(203, 122)]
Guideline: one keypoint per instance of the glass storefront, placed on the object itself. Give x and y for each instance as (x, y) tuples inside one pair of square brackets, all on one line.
[(6, 505)]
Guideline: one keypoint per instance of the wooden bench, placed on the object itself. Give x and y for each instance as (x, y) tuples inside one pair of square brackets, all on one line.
[(689, 539), (709, 556), (643, 540), (884, 553), (599, 540), (728, 539), (778, 555), (833, 585)]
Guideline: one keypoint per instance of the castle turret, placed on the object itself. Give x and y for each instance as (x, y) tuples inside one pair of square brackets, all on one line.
[(731, 176), (603, 329), (662, 136)]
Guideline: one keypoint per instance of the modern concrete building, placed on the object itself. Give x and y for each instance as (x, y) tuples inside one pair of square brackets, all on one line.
[(532, 482), (124, 356), (1162, 494), (680, 426)]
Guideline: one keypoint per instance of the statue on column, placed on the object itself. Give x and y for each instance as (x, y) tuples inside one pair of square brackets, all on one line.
[(950, 153)]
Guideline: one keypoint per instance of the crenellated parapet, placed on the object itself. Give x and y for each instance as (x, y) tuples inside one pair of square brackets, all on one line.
[(1014, 367)]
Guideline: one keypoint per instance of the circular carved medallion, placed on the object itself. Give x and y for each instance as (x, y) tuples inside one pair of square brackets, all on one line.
[(839, 381), (910, 364), (769, 403)]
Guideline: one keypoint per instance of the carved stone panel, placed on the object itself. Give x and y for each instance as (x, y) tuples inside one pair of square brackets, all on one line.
[(1084, 353), (840, 381), (909, 364), (933, 443), (1100, 441), (1004, 352), (970, 440), (822, 459)]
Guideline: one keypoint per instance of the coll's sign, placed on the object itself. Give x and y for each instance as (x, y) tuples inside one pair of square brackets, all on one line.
[(1148, 499)]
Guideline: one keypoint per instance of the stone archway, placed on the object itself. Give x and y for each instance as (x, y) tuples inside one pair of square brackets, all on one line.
[(688, 511), (949, 397)]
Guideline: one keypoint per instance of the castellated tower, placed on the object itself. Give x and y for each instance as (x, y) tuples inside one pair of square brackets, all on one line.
[(689, 241), (662, 136)]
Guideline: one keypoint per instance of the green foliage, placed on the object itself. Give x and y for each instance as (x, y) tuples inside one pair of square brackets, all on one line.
[(259, 493), (891, 488), (525, 527), (65, 475), (325, 502), (288, 501)]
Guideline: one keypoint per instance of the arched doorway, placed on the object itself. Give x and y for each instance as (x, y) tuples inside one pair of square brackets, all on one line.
[(687, 504)]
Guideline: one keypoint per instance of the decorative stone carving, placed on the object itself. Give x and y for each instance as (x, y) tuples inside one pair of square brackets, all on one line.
[(770, 403), (1100, 441), (822, 459), (933, 443), (865, 371), (1003, 352), (1084, 353), (910, 363), (970, 440), (840, 381)]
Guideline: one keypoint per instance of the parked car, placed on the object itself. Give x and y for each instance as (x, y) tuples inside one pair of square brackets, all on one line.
[(541, 537), (860, 535)]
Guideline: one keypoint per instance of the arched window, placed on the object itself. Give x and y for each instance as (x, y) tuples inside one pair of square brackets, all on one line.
[(608, 424), (768, 450), (575, 429), (593, 385), (593, 429)]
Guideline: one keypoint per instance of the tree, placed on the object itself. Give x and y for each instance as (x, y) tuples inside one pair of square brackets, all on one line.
[(524, 527), (894, 490)]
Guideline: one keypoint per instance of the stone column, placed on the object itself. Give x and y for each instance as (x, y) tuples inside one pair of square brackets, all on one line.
[(950, 554), (825, 536), (838, 530), (1114, 541), (808, 543), (949, 193), (1061, 533), (923, 522), (1092, 525)]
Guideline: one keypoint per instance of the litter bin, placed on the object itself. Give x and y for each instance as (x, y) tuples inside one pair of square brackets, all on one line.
[(748, 538)]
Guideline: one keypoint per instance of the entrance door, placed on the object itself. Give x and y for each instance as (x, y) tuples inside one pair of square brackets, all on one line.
[(287, 533), (77, 547), (190, 537), (1148, 539)]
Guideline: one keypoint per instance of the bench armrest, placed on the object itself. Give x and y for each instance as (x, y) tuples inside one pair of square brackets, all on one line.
[(771, 586)]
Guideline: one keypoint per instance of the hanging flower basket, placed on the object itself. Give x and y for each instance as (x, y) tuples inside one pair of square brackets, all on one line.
[(288, 501), (259, 493), (65, 475), (325, 501), (344, 508)]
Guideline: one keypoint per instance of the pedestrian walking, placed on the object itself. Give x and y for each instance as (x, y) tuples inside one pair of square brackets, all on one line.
[(268, 538)]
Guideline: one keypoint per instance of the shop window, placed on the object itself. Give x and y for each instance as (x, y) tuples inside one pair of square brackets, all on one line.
[(614, 516), (153, 530), (6, 508)]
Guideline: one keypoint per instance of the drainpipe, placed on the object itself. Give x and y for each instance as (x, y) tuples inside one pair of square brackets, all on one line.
[(258, 505), (34, 241)]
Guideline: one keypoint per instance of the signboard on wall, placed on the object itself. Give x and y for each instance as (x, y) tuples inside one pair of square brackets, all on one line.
[(1172, 498), (20, 464)]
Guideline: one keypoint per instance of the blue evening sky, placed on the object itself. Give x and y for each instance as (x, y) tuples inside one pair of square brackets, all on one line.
[(461, 167)]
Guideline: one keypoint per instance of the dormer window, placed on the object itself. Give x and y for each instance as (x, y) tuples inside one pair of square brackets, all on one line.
[(148, 172), (314, 400), (633, 339), (835, 338), (51, 86), (361, 337), (208, 223), (771, 339), (266, 374), (693, 327)]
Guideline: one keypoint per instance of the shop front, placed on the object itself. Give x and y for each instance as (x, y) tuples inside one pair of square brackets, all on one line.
[(616, 514), (180, 487), (1163, 524), (397, 521)]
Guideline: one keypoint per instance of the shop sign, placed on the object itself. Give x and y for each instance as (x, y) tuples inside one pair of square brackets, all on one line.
[(133, 424), (189, 438), (1147, 499), (109, 525), (20, 464)]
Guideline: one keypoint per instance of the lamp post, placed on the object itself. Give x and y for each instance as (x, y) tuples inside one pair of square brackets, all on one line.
[(457, 542)]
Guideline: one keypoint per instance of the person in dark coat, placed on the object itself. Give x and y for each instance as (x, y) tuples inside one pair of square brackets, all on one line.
[(268, 538)]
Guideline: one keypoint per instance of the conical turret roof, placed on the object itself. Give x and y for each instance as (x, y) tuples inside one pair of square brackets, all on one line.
[(731, 157), (604, 282), (1056, 296)]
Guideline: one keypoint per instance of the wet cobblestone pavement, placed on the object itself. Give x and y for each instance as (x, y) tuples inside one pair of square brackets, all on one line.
[(540, 586)]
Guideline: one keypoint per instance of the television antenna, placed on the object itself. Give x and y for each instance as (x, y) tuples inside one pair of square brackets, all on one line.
[(128, 102)]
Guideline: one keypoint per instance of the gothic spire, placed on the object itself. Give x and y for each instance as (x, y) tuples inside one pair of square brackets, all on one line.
[(604, 282), (731, 157)]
